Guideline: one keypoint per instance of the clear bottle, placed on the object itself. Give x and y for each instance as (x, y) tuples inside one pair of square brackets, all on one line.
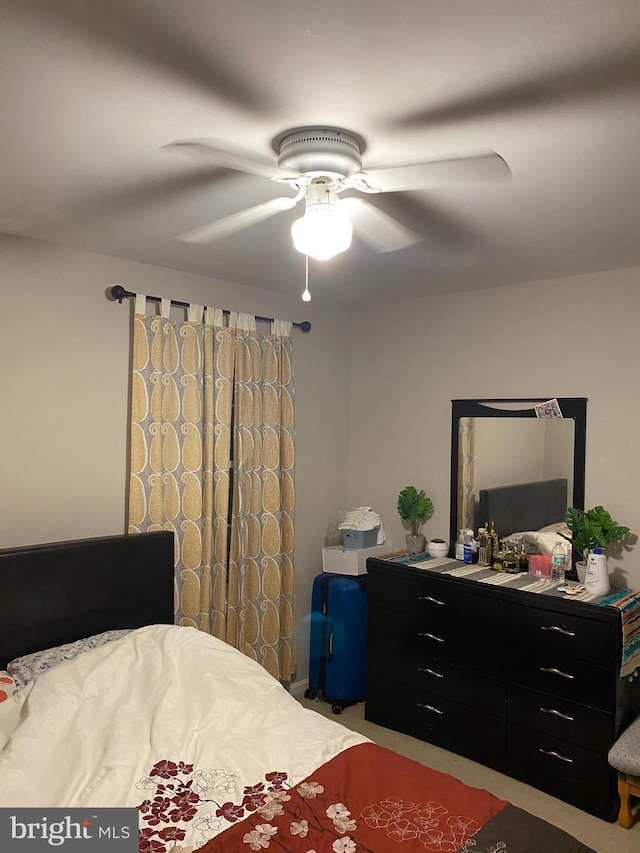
[(484, 547), (523, 557), (558, 562)]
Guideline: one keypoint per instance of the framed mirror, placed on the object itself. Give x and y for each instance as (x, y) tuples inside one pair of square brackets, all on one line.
[(508, 459)]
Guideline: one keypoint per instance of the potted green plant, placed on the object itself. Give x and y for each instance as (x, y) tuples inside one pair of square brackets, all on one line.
[(415, 508), (589, 528)]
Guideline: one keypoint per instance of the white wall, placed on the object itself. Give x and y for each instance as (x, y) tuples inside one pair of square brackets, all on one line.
[(64, 351), (574, 337), (506, 455), (510, 451), (360, 437)]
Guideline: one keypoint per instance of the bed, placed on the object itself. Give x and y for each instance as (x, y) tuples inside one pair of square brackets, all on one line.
[(528, 514), (205, 744), (524, 506)]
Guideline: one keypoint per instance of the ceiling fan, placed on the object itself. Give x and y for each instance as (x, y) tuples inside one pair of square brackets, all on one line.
[(320, 163)]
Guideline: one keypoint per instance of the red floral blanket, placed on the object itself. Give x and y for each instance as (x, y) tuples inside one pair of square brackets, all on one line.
[(365, 800)]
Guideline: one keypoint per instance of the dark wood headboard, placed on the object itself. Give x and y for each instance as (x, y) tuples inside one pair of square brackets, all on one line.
[(525, 506), (64, 591)]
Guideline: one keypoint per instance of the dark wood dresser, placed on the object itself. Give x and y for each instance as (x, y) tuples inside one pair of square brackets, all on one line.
[(524, 683)]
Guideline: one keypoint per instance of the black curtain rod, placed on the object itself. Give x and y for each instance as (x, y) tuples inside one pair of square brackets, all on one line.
[(118, 292)]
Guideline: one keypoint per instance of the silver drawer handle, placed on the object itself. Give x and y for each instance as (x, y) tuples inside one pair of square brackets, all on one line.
[(430, 708), (554, 671), (430, 671), (560, 629), (431, 599), (556, 713), (555, 754), (430, 636)]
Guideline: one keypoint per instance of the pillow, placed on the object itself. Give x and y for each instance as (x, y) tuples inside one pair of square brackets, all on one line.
[(24, 669), (539, 541), (558, 527), (7, 686), (545, 542), (10, 707)]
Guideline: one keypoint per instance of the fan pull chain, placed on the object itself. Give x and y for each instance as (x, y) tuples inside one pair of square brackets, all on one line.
[(306, 296)]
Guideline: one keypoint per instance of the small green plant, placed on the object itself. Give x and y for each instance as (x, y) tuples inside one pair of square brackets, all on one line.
[(592, 527), (414, 507)]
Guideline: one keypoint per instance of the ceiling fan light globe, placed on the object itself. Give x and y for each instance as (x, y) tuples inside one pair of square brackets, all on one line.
[(323, 232)]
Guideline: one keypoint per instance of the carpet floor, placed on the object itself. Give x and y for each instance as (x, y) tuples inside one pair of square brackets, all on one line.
[(601, 836)]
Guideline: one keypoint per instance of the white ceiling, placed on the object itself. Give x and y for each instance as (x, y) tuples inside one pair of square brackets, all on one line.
[(92, 90)]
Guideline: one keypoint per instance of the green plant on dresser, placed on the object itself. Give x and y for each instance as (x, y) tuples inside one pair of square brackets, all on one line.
[(415, 508), (592, 527)]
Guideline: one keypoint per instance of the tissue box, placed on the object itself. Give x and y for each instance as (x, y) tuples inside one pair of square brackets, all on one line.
[(350, 561), (359, 538)]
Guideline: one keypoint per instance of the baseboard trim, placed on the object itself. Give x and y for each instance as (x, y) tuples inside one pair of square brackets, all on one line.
[(298, 688)]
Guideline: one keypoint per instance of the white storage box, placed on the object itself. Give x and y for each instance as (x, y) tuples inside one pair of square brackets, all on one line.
[(350, 561)]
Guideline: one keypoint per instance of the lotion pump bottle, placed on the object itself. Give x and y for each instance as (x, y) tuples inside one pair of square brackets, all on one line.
[(596, 579), (460, 545)]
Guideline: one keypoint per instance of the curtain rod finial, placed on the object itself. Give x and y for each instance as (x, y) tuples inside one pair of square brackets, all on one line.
[(118, 292)]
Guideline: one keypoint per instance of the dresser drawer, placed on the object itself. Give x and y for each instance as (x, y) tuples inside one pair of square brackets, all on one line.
[(395, 655), (402, 643), (562, 676), (394, 591), (537, 756), (447, 621), (590, 639), (437, 598), (561, 718), (435, 713)]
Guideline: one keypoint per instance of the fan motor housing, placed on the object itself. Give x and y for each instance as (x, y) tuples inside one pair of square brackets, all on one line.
[(320, 151)]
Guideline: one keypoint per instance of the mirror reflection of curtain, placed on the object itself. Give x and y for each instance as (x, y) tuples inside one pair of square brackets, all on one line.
[(467, 472), (212, 453)]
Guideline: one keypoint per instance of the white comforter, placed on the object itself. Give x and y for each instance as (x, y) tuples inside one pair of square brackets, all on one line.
[(92, 729)]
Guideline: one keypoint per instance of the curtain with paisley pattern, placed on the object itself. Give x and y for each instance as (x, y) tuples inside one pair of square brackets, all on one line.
[(467, 472), (212, 459)]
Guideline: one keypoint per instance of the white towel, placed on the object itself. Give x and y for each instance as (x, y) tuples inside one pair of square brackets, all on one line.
[(363, 519)]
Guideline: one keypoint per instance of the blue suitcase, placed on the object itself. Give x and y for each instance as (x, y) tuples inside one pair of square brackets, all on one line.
[(338, 649)]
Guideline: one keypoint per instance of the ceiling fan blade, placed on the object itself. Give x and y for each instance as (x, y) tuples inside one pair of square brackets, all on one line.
[(585, 78), (230, 157), (380, 231), (151, 35), (237, 221), (439, 173)]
